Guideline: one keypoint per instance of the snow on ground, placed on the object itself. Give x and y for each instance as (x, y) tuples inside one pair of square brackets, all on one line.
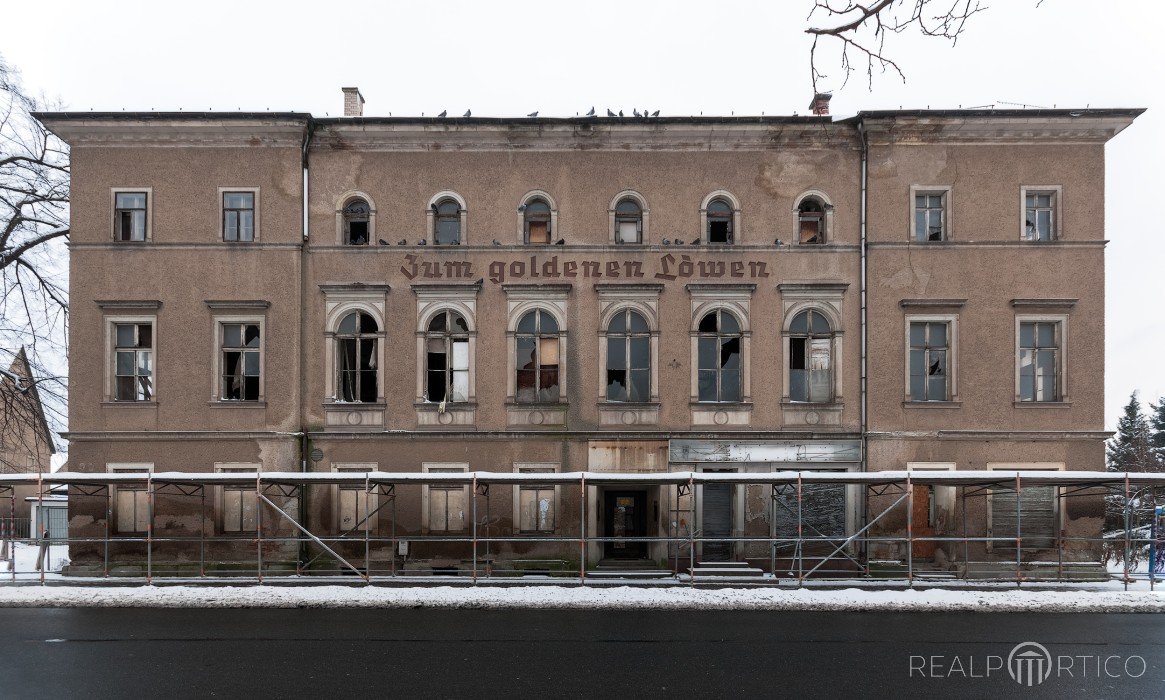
[(1084, 599), (25, 560)]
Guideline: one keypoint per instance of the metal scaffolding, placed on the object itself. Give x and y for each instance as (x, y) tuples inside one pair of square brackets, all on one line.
[(376, 548)]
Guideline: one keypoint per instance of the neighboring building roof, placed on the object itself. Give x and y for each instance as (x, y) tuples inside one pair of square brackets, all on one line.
[(21, 367)]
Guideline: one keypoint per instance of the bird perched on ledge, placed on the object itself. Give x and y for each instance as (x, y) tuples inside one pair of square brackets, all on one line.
[(560, 241), (468, 113), (666, 241), (381, 241), (591, 113), (532, 114), (402, 242), (495, 242), (443, 113)]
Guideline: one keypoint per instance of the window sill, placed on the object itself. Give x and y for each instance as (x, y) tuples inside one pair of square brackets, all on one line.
[(237, 404), (1042, 404), (932, 404), (131, 404)]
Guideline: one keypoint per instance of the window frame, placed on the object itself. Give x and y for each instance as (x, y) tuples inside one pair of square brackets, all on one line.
[(370, 498), (245, 503), (149, 209), (615, 219), (809, 335), (952, 350), (336, 337), (825, 227), (217, 323), (719, 370), (553, 230), (111, 323), (449, 337), (342, 203), (223, 209), (554, 489), (1061, 322), (1056, 193), (432, 218), (946, 192), (426, 495), (652, 336), (734, 204), (539, 335), (115, 508)]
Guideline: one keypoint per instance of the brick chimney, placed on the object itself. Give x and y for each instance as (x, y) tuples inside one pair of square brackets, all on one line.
[(820, 104), (353, 102)]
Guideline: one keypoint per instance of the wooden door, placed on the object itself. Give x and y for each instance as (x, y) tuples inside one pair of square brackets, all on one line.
[(923, 522)]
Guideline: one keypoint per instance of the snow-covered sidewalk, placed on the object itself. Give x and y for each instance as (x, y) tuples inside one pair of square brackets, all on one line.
[(555, 597)]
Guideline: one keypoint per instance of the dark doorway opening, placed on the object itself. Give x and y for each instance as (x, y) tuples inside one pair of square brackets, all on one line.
[(625, 515)]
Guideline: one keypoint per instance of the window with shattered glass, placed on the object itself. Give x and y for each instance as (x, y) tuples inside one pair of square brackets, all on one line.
[(810, 358), (1039, 361), (356, 358), (447, 358), (537, 346), (718, 346), (241, 362), (1039, 212), (930, 216), (628, 358), (134, 362), (929, 354)]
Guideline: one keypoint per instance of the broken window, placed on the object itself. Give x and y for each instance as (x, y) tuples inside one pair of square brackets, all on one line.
[(356, 506), (356, 341), (536, 503), (1039, 361), (536, 218), (238, 216), (129, 216), (628, 358), (537, 361), (718, 357), (133, 362), (356, 222), (930, 216), (1038, 223), (719, 221), (447, 223), (628, 221), (447, 503), (929, 353), (811, 221), (241, 364), (447, 358), (810, 358)]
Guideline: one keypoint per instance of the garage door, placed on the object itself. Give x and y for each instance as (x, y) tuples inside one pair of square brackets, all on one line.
[(1038, 521), (717, 512)]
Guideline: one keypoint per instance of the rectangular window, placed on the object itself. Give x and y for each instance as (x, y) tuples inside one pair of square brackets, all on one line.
[(239, 503), (356, 507), (1039, 361), (129, 216), (929, 355), (131, 504), (536, 503), (930, 216), (133, 362), (241, 362), (1039, 216), (448, 503), (238, 216)]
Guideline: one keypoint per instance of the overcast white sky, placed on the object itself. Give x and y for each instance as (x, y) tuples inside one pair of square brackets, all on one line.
[(678, 56)]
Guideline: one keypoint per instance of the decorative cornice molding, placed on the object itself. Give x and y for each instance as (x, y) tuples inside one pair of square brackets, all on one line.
[(128, 304), (237, 304), (348, 287), (932, 303), (1043, 303)]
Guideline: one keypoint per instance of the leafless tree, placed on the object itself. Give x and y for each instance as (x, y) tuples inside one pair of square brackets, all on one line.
[(34, 211), (862, 29)]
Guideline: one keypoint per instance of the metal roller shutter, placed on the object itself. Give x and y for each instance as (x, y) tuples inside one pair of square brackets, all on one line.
[(717, 512), (1038, 521)]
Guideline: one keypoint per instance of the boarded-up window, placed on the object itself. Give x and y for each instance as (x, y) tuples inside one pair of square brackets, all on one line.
[(1037, 525), (822, 512), (537, 217), (239, 509), (132, 509), (356, 507), (536, 503), (447, 504)]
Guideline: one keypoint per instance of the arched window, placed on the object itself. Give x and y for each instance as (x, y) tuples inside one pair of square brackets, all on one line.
[(537, 360), (356, 216), (628, 358), (356, 358), (536, 218), (811, 221), (628, 221), (447, 358), (447, 224), (810, 358), (718, 348), (719, 221)]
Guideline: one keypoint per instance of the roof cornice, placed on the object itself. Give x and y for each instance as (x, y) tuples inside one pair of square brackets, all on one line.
[(994, 126), (212, 129)]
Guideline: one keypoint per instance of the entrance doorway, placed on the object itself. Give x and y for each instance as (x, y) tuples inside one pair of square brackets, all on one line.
[(923, 521), (717, 517), (625, 515)]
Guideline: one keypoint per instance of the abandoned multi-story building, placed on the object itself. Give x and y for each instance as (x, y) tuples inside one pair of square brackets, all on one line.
[(897, 290)]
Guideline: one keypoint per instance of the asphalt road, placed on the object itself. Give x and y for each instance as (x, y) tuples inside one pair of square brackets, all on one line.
[(97, 653)]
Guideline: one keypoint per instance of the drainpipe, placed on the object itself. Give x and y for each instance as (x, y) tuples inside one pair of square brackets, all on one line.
[(865, 419), (304, 443)]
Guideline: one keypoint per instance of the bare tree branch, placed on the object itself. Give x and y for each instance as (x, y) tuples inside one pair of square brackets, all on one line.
[(862, 29)]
